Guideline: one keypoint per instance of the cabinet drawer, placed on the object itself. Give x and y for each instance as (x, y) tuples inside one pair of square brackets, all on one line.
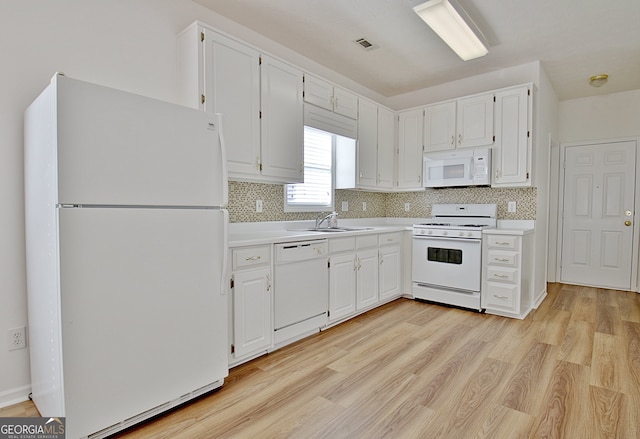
[(499, 274), (497, 257), (337, 245), (250, 256), (394, 238), (499, 296), (503, 241), (366, 241)]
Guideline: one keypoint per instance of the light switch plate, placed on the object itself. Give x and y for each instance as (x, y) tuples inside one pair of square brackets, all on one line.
[(345, 206), (511, 206)]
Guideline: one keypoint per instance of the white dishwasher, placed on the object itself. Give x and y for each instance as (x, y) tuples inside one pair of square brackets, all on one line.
[(301, 289)]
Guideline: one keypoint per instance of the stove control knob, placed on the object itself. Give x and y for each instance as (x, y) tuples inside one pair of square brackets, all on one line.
[(461, 233), (445, 233), (469, 234), (430, 232)]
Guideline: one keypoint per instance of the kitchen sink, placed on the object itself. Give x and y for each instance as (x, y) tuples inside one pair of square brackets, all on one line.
[(338, 229)]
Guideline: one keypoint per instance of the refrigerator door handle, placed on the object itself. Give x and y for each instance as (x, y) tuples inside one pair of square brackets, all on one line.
[(223, 155), (225, 250)]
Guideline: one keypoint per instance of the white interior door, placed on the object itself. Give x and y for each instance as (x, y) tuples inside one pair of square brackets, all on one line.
[(599, 194)]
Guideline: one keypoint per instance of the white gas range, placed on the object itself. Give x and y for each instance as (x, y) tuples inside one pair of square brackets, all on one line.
[(447, 254)]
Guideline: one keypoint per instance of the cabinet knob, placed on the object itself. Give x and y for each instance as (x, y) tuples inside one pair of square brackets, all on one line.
[(459, 139), (627, 223)]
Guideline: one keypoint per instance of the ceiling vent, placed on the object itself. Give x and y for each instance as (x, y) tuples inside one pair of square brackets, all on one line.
[(365, 44)]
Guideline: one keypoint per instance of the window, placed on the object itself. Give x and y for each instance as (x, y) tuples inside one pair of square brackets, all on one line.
[(316, 193)]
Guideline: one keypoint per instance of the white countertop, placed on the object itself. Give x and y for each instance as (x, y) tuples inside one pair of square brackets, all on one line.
[(512, 227), (244, 234), (508, 231)]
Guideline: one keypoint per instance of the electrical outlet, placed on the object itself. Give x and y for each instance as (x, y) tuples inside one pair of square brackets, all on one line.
[(511, 206), (345, 206), (364, 206), (17, 338), (258, 206), (407, 207)]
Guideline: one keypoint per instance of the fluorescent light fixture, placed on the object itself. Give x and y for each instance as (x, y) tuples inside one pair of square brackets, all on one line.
[(448, 23)]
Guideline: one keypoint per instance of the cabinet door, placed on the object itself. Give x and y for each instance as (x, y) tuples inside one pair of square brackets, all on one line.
[(367, 278), (232, 87), (440, 127), (475, 121), (367, 144), (410, 125), (512, 149), (345, 103), (342, 286), (390, 272), (282, 121), (386, 148), (318, 92), (252, 327)]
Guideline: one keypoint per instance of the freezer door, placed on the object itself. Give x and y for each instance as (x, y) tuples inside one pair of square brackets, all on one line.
[(117, 148), (144, 320)]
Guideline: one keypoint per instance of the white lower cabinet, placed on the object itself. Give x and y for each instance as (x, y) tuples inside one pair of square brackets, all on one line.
[(507, 274), (251, 323), (364, 272), (353, 275), (367, 277), (390, 265), (342, 285)]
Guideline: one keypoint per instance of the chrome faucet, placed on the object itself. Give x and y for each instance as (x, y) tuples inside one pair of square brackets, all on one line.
[(320, 220)]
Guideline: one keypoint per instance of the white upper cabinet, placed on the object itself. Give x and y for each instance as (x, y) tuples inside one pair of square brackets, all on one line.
[(232, 88), (511, 157), (221, 75), (376, 146), (333, 98), (367, 167), (386, 148), (440, 127), (282, 121), (463, 123), (410, 131)]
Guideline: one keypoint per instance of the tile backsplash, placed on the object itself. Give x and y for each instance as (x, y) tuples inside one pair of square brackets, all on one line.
[(243, 196)]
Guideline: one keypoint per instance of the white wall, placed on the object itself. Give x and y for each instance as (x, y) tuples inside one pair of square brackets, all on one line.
[(545, 131), (600, 117)]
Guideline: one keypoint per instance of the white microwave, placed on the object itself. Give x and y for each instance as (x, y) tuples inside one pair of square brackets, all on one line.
[(464, 167)]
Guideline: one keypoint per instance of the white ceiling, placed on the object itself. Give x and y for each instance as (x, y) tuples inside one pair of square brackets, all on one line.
[(574, 39)]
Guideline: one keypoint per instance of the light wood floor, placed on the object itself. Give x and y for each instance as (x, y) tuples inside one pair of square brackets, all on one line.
[(571, 369)]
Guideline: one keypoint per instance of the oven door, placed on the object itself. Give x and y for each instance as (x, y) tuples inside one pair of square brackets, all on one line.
[(447, 262)]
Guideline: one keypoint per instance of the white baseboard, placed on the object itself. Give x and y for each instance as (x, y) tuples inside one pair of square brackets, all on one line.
[(14, 396), (539, 298)]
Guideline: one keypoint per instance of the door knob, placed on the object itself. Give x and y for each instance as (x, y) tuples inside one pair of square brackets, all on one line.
[(627, 223)]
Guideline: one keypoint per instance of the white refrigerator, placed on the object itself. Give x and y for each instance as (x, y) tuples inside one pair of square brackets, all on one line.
[(126, 239)]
